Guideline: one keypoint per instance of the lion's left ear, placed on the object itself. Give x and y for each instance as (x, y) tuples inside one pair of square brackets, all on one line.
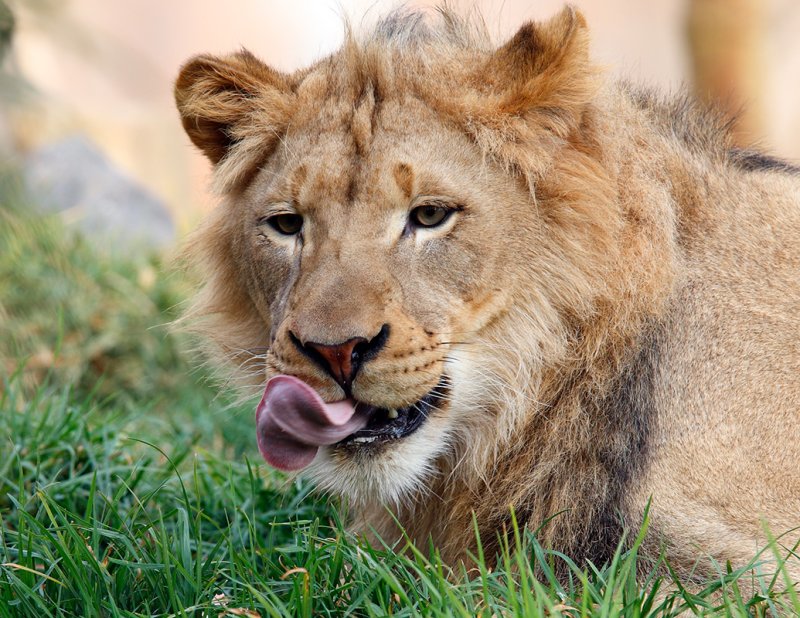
[(543, 65), (537, 86)]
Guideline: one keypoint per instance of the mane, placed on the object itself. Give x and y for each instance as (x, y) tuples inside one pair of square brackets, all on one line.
[(443, 27), (701, 129), (704, 130)]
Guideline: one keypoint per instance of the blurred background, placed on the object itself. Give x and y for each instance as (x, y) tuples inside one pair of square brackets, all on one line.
[(98, 182), (105, 69)]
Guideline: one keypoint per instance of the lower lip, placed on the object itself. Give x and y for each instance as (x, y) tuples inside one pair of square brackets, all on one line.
[(422, 408)]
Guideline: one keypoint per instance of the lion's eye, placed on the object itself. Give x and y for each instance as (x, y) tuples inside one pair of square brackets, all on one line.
[(430, 215), (286, 223)]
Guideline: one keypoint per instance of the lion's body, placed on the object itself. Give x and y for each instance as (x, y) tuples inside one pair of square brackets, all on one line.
[(614, 304)]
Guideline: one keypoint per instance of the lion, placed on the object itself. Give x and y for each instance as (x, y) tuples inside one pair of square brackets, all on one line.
[(473, 278)]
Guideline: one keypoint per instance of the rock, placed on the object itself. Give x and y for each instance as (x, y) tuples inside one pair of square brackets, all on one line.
[(6, 140), (74, 178)]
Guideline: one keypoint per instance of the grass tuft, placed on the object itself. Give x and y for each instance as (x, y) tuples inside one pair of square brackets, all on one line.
[(99, 519)]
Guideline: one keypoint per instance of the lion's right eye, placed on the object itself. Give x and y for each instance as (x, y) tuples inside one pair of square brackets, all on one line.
[(286, 223), (430, 215)]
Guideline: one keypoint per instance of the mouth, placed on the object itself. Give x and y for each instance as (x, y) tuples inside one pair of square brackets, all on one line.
[(293, 422), (385, 425)]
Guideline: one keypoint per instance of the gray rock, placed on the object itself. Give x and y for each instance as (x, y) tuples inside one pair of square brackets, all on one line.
[(74, 178), (6, 140)]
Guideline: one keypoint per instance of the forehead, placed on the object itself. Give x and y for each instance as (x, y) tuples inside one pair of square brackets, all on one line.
[(376, 152)]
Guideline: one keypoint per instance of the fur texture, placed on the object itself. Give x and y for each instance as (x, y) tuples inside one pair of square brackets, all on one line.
[(613, 301)]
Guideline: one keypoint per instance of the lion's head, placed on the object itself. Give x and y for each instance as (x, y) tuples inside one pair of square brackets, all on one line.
[(406, 228)]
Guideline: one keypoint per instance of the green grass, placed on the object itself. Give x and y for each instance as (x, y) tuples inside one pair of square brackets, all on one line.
[(99, 519), (127, 488), (79, 315)]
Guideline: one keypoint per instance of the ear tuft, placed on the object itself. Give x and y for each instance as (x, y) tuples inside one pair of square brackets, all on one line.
[(217, 98)]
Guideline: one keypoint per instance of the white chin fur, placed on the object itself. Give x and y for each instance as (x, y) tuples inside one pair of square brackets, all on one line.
[(401, 470), (396, 471)]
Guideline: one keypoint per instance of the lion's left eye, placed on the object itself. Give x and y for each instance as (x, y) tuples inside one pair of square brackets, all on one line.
[(430, 215)]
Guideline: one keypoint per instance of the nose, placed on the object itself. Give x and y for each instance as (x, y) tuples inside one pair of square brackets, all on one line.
[(343, 360)]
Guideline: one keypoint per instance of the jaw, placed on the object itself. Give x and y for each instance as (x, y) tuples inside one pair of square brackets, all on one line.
[(388, 425), (395, 472), (389, 473)]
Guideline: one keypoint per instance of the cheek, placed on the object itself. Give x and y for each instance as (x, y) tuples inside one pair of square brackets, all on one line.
[(268, 271), (438, 278), (460, 265), (463, 261)]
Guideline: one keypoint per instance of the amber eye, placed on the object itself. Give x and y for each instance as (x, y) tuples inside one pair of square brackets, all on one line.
[(430, 215), (287, 223)]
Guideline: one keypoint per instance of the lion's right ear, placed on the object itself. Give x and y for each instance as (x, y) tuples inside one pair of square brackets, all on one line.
[(534, 90), (232, 103)]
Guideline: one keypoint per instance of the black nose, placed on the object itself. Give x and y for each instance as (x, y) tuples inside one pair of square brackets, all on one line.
[(343, 360)]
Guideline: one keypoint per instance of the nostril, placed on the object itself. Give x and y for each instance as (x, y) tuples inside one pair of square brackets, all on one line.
[(369, 349), (297, 343), (339, 360)]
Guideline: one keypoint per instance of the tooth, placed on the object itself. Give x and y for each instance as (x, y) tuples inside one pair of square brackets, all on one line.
[(393, 414)]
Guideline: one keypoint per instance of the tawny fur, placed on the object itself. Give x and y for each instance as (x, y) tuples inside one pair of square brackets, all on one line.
[(615, 308)]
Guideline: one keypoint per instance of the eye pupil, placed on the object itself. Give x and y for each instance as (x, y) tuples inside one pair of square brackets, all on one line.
[(288, 224), (430, 215)]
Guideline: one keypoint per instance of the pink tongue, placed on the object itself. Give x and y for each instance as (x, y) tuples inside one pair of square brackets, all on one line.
[(292, 422)]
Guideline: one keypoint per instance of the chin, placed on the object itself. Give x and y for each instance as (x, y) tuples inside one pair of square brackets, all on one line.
[(390, 472)]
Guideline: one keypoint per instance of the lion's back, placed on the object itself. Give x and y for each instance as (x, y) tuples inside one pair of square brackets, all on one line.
[(727, 389)]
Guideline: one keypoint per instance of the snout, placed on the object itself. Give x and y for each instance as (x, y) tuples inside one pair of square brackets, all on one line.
[(388, 366), (342, 361)]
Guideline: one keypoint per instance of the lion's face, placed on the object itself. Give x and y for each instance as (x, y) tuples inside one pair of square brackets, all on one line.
[(372, 264), (376, 237)]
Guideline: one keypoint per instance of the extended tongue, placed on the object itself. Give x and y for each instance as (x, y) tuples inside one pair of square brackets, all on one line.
[(292, 422)]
